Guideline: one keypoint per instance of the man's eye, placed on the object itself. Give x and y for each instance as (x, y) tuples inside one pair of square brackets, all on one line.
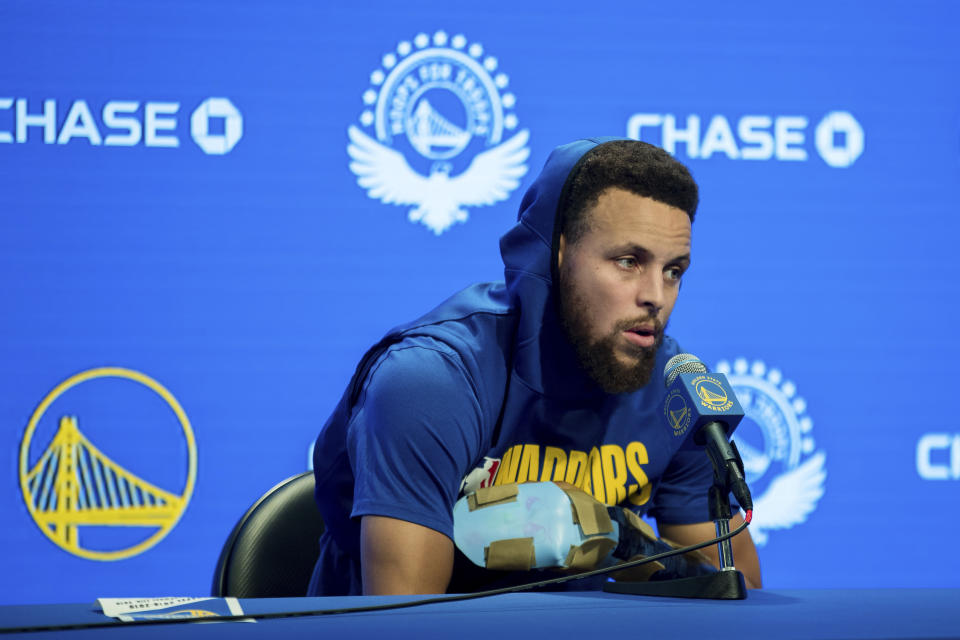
[(627, 263), (674, 273)]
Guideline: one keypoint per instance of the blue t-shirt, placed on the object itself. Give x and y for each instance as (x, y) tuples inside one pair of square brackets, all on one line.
[(486, 389)]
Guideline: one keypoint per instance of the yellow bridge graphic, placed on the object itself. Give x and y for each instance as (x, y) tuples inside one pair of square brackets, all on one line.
[(676, 417), (710, 396), (75, 484)]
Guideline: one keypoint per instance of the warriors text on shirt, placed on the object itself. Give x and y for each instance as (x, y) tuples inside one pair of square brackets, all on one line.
[(608, 473)]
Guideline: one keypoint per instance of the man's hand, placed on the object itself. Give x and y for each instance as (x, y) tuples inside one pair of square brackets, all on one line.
[(744, 552), (399, 557)]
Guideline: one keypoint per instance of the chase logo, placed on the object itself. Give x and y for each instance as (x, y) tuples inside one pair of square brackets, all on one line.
[(677, 413), (107, 464), (712, 394), (838, 137), (938, 456), (211, 111), (437, 120), (778, 450), (216, 125)]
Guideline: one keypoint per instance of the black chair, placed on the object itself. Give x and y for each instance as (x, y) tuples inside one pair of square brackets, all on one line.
[(271, 551)]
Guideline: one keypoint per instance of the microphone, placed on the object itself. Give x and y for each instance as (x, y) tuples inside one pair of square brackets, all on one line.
[(705, 403)]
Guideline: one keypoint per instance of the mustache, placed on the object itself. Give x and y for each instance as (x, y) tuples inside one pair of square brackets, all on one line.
[(626, 325)]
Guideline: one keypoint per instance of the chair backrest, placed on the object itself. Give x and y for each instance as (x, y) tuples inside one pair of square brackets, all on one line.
[(272, 549)]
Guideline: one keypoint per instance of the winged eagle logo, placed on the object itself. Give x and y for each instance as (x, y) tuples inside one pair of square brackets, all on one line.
[(789, 499), (438, 199)]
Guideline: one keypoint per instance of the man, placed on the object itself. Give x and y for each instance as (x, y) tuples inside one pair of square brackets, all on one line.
[(553, 374)]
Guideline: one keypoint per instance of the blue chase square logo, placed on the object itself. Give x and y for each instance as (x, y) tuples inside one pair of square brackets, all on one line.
[(438, 131), (775, 439), (108, 463)]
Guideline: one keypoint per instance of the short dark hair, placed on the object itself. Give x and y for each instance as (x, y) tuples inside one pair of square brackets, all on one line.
[(632, 165)]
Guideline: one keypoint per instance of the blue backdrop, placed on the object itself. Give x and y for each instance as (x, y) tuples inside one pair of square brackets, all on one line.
[(189, 269)]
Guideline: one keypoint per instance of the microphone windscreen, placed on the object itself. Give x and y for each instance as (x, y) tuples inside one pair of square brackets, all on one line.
[(682, 363)]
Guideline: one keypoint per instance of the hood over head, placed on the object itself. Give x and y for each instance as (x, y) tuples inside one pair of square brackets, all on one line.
[(545, 359)]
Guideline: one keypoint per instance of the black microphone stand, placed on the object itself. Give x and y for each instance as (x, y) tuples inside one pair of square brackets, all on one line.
[(725, 584)]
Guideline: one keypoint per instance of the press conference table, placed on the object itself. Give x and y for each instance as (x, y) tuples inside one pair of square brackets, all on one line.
[(808, 614)]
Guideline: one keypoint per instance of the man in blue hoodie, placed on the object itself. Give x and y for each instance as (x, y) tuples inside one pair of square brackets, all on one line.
[(552, 375)]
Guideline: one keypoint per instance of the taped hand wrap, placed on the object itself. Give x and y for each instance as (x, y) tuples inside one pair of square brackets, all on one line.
[(533, 526), (540, 525)]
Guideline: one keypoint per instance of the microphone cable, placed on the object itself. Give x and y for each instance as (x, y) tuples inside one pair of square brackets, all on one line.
[(115, 624)]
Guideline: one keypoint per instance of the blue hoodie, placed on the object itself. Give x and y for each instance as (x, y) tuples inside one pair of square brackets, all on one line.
[(487, 389)]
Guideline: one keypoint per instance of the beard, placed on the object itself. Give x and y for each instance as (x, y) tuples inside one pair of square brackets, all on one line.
[(598, 357)]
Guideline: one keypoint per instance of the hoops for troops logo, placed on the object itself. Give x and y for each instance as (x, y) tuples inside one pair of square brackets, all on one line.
[(776, 442), (433, 129)]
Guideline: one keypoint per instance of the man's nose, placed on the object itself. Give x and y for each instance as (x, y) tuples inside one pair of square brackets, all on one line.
[(650, 291)]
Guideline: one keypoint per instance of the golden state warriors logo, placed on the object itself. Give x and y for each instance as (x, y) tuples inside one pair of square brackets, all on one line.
[(677, 413), (107, 463), (712, 394), (438, 112)]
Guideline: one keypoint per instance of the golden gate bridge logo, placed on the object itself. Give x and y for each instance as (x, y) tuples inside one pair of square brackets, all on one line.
[(74, 484)]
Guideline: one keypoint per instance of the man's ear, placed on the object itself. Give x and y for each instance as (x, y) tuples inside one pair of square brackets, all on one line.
[(560, 247)]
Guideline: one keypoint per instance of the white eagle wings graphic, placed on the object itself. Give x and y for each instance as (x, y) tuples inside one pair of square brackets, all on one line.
[(439, 199), (789, 499)]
